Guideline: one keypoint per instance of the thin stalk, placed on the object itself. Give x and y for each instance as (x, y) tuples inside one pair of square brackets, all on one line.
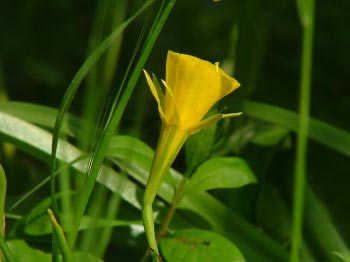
[(171, 211), (169, 215), (301, 152)]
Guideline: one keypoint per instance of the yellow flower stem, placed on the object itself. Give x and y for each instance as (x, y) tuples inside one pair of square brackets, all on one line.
[(170, 142)]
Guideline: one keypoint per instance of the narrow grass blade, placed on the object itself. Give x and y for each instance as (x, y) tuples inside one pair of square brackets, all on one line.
[(74, 85), (323, 133), (62, 243), (4, 250), (116, 116)]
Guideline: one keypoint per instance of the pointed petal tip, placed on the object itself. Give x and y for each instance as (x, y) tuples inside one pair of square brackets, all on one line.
[(231, 115)]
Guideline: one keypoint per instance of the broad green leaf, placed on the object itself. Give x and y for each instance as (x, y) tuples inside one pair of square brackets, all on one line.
[(328, 135), (41, 115), (254, 244), (199, 245), (87, 257), (221, 172), (37, 142), (22, 252)]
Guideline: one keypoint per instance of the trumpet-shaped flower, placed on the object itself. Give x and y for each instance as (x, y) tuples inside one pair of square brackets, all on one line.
[(192, 87)]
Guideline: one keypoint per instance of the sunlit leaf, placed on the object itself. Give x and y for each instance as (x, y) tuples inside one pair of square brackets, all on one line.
[(199, 245), (22, 252), (221, 172)]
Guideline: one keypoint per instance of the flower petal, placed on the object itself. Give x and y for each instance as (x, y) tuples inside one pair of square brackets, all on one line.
[(157, 93), (196, 86), (210, 121)]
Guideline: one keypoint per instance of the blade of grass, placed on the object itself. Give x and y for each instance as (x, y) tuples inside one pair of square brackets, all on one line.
[(109, 15), (63, 245), (115, 117), (301, 150), (73, 87), (328, 135), (68, 98)]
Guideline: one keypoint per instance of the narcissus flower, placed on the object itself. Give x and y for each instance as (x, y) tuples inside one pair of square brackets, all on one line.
[(192, 87)]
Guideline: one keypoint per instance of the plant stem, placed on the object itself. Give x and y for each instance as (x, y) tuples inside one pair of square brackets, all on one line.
[(307, 17), (169, 215)]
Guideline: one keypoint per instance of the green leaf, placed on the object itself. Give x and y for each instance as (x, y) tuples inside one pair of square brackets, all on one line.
[(22, 252), (341, 257), (198, 147), (328, 135), (77, 256), (41, 115), (199, 245), (221, 172)]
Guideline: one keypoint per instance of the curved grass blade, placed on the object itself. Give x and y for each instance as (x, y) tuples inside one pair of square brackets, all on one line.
[(73, 87), (116, 115), (328, 135), (5, 250), (62, 242)]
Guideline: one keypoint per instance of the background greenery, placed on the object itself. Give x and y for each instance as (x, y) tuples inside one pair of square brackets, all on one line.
[(43, 44)]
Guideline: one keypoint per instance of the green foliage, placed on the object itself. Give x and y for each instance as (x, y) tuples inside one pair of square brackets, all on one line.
[(221, 172), (230, 195), (199, 245), (23, 252)]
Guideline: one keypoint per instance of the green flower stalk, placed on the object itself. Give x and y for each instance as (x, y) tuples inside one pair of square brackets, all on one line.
[(192, 87)]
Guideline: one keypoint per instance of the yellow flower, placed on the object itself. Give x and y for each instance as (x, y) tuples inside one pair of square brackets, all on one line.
[(192, 87)]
